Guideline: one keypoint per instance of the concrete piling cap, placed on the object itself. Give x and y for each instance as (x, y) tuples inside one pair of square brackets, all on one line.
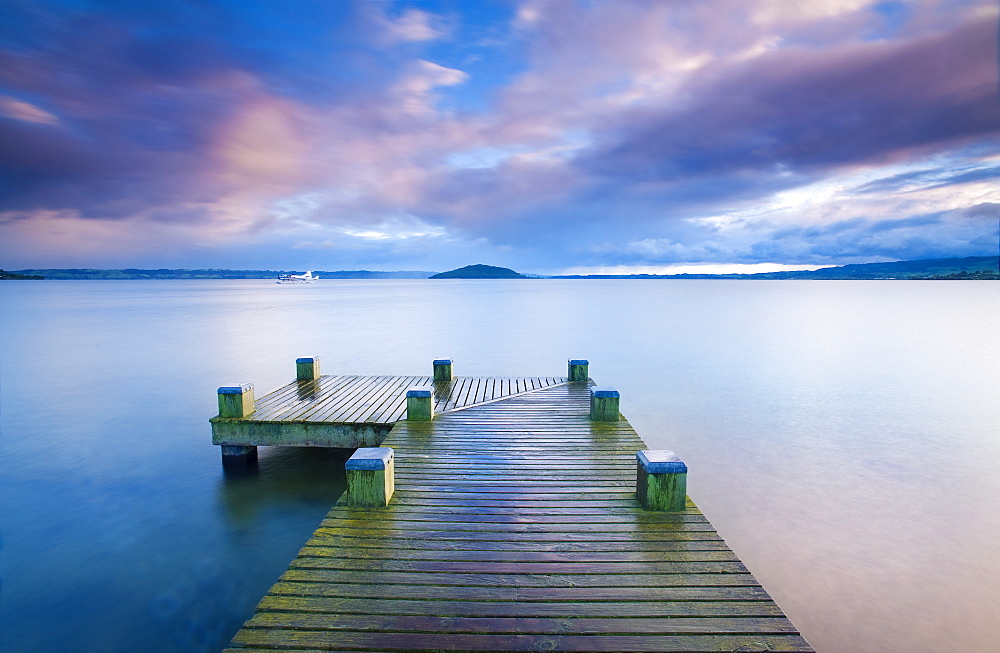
[(235, 389), (661, 461), (370, 458)]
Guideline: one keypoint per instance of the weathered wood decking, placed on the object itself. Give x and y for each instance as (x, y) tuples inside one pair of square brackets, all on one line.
[(514, 527), (355, 411)]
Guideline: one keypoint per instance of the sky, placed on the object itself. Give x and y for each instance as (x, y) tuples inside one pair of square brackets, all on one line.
[(549, 136)]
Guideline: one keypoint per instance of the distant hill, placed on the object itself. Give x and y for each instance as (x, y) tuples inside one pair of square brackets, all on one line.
[(479, 271), (938, 268), (969, 267), (132, 273)]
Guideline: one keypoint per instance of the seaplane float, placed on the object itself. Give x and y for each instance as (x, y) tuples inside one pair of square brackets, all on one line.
[(297, 278)]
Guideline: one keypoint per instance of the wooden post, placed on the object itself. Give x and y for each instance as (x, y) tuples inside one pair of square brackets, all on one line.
[(661, 481), (604, 404), (236, 400), (370, 481), (579, 370), (420, 404), (307, 368), (442, 370)]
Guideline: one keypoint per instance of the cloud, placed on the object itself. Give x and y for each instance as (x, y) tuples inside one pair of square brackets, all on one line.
[(576, 133), (397, 234), (961, 232), (19, 110), (864, 104), (413, 92), (940, 235), (931, 177), (408, 25), (263, 143)]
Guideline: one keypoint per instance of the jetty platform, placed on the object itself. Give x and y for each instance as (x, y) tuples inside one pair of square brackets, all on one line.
[(513, 524), (349, 411)]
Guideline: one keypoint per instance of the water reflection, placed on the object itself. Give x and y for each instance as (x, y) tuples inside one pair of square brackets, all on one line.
[(282, 475), (307, 390)]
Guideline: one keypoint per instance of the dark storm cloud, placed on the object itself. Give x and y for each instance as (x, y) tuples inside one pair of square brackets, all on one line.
[(810, 111)]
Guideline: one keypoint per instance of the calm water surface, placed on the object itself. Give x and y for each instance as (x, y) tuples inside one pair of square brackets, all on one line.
[(842, 436)]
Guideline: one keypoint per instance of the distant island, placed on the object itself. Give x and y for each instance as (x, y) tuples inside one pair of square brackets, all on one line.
[(479, 271), (969, 267)]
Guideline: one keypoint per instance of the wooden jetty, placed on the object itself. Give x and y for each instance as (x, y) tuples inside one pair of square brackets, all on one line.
[(513, 525), (344, 411)]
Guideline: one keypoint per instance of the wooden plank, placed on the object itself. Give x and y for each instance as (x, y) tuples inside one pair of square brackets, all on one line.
[(522, 594), (613, 609), (453, 517), (383, 399), (469, 396), (378, 400), (469, 389), (331, 404), (388, 397), (301, 397), (581, 557), (514, 530), (476, 517), (355, 405), (437, 566), (430, 549), (448, 399), (508, 625), (524, 580), (346, 397), (393, 407), (419, 473), (289, 399), (327, 640)]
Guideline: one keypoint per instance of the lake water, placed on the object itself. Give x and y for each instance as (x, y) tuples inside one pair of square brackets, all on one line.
[(842, 437)]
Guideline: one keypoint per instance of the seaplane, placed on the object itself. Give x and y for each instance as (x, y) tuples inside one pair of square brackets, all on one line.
[(297, 278)]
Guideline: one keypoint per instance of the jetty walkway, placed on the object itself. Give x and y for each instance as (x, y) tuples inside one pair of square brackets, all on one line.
[(513, 524)]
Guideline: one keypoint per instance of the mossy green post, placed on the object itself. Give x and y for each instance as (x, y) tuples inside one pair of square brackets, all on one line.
[(604, 404), (370, 481), (236, 400), (661, 481), (420, 404), (442, 370), (307, 368), (579, 370)]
